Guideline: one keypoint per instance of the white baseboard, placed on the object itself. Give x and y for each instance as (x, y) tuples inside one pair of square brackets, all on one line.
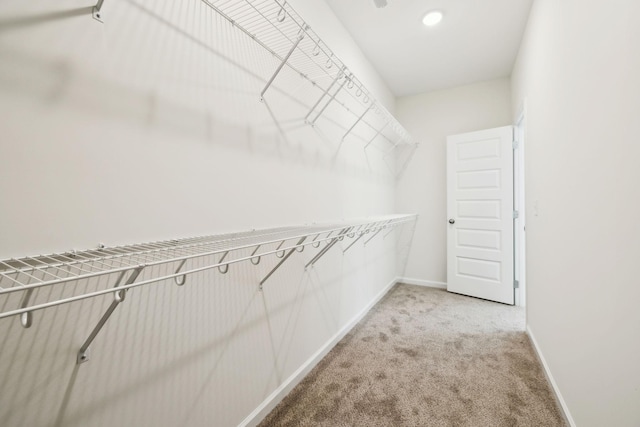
[(420, 282), (547, 372), (278, 394)]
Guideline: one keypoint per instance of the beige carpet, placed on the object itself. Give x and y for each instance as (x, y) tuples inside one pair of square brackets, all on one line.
[(425, 357)]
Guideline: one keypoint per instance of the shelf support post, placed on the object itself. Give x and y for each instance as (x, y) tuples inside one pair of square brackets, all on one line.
[(284, 61), (326, 92), (354, 242), (395, 145), (393, 227), (378, 132), (83, 353), (379, 230), (358, 121), (284, 258), (374, 235), (313, 122), (326, 248)]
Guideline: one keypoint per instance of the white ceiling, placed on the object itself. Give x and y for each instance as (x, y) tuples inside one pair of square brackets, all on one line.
[(477, 40)]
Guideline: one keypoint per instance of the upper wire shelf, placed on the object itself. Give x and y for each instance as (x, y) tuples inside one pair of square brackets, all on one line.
[(181, 257), (279, 29)]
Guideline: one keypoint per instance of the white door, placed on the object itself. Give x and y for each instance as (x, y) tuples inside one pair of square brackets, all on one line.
[(480, 214)]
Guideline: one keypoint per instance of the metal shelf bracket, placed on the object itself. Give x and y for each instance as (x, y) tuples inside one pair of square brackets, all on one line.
[(331, 98), (354, 242), (326, 249), (374, 235), (395, 145), (282, 64), (378, 132), (325, 93), (359, 120), (388, 232), (282, 261), (119, 295)]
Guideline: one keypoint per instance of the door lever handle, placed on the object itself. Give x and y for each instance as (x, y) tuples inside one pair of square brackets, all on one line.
[(452, 221)]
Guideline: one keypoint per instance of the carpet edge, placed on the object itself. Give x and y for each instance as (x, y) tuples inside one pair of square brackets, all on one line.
[(556, 391), (421, 282), (258, 414)]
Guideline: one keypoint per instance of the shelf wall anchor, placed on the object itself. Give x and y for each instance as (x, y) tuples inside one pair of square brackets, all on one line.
[(119, 295), (97, 12), (291, 251)]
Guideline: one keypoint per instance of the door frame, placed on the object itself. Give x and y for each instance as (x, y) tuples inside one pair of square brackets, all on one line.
[(519, 225)]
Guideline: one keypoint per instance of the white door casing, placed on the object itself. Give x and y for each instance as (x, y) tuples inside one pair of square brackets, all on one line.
[(480, 214)]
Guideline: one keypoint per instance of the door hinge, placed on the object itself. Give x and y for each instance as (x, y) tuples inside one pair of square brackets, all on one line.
[(515, 144), (516, 214), (516, 284)]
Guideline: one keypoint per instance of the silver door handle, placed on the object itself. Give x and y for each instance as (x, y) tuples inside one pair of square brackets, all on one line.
[(452, 221)]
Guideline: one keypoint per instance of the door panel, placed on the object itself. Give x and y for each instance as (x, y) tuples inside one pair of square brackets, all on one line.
[(482, 239), (480, 210)]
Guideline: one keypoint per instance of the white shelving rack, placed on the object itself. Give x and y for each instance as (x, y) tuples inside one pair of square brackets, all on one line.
[(21, 278), (281, 31)]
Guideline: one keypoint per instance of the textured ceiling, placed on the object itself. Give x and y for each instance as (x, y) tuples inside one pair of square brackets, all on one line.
[(476, 41)]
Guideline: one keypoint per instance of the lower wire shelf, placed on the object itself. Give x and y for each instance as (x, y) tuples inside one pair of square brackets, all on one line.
[(21, 278)]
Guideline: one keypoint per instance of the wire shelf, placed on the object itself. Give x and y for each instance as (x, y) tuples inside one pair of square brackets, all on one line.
[(29, 274), (279, 29)]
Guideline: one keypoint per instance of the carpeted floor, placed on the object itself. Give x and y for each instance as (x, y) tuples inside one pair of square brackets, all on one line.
[(425, 357)]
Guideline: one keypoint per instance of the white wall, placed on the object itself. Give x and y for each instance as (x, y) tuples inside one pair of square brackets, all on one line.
[(323, 21), (158, 104), (431, 117), (149, 127), (579, 71)]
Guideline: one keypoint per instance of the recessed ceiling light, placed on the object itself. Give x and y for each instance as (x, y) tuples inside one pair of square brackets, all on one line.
[(432, 18)]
